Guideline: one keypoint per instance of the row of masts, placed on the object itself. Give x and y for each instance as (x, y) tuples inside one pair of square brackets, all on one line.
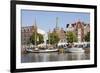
[(49, 31)]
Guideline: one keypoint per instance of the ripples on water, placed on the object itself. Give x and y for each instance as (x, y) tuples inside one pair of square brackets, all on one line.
[(55, 56)]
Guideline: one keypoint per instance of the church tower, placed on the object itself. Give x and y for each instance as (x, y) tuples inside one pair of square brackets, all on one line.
[(57, 23)]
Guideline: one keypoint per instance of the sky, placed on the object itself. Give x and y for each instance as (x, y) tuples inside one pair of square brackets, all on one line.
[(46, 20)]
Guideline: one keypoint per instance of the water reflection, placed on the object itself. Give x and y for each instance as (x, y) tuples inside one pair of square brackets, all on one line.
[(45, 57)]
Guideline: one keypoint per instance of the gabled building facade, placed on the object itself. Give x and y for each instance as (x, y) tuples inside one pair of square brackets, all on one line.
[(79, 28)]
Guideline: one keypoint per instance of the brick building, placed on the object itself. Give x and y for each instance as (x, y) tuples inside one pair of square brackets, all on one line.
[(26, 32), (79, 28)]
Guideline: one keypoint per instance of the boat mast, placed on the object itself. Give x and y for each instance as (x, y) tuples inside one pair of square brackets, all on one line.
[(49, 36), (35, 32)]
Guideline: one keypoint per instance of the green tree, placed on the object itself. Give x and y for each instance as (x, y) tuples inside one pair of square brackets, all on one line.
[(36, 37), (53, 38), (87, 37), (71, 37)]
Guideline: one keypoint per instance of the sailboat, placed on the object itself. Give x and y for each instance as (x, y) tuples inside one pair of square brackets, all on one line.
[(35, 47), (37, 50), (75, 49)]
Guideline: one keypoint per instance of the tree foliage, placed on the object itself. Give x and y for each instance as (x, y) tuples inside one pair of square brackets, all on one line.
[(71, 37), (36, 37), (87, 37), (53, 38)]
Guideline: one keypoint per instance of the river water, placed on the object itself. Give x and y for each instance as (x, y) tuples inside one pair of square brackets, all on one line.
[(55, 56)]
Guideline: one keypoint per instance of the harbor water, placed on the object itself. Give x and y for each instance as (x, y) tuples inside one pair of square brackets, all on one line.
[(54, 56)]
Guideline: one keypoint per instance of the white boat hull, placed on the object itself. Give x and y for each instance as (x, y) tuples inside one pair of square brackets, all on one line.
[(74, 50), (41, 51)]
